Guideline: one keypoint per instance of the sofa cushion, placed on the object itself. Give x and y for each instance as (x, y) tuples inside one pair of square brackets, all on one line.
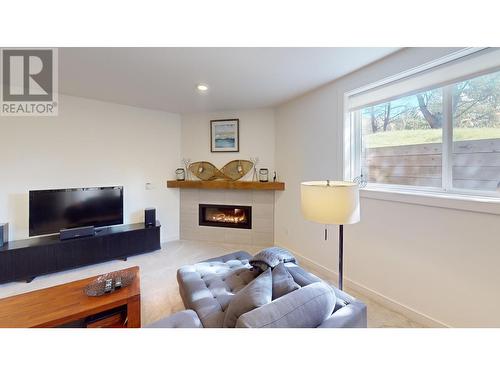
[(306, 307), (301, 276), (283, 282), (271, 257), (255, 294), (352, 315), (181, 319), (208, 287)]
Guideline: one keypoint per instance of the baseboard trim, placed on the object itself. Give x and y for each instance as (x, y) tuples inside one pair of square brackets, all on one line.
[(391, 304)]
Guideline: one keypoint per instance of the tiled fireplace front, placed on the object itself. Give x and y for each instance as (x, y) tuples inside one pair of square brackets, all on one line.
[(230, 216)]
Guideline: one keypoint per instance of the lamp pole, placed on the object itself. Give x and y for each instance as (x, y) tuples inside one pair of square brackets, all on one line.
[(341, 256)]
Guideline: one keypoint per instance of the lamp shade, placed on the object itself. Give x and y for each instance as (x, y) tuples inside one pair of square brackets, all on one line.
[(330, 202)]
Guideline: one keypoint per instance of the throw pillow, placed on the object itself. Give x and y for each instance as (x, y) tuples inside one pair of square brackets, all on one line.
[(308, 307), (256, 294), (271, 257), (283, 282)]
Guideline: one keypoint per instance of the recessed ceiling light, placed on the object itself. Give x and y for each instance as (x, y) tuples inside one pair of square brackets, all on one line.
[(201, 87)]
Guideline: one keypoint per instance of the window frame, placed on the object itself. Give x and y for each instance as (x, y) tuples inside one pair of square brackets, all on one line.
[(446, 194)]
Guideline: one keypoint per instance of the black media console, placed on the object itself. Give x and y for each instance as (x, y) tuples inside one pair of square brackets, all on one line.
[(24, 260)]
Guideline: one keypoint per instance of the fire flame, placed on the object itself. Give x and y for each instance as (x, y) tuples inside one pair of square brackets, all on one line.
[(227, 216)]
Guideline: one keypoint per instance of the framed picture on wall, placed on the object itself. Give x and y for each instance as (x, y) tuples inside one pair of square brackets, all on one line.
[(225, 135)]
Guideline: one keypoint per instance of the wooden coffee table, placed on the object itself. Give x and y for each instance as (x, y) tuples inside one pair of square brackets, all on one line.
[(68, 305)]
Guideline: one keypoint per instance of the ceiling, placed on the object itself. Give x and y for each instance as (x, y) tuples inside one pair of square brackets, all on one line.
[(238, 78)]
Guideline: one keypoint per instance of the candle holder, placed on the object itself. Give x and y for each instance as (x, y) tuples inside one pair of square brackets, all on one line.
[(180, 174), (264, 175)]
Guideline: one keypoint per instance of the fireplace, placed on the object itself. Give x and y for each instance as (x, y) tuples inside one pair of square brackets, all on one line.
[(218, 215)]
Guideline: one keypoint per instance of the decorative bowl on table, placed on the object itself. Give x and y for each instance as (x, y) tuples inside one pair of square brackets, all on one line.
[(109, 283)]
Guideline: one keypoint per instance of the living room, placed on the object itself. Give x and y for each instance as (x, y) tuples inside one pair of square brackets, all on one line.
[(172, 185)]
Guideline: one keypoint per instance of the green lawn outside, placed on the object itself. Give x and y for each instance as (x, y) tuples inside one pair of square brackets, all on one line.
[(416, 137)]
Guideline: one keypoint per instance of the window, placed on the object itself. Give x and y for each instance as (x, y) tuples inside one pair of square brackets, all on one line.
[(400, 145), (476, 133), (444, 137)]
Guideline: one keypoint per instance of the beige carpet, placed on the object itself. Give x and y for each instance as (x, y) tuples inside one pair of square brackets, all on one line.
[(159, 293)]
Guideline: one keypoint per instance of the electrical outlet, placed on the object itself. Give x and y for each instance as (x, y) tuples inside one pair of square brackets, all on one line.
[(149, 186)]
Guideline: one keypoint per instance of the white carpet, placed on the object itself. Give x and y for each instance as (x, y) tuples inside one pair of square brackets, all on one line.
[(159, 292)]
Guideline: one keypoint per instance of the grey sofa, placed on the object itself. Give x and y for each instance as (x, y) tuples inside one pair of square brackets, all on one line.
[(208, 287)]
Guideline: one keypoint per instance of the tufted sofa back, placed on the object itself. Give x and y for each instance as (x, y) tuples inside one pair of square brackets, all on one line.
[(209, 286)]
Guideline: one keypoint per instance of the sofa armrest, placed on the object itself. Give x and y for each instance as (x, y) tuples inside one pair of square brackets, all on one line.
[(181, 319), (351, 316)]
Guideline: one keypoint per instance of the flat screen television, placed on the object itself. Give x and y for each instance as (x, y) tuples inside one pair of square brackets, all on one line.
[(53, 210)]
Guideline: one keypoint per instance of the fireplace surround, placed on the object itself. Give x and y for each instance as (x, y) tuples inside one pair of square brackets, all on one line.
[(262, 203), (228, 216)]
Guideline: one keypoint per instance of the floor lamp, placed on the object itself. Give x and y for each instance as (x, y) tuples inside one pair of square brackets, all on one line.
[(331, 202)]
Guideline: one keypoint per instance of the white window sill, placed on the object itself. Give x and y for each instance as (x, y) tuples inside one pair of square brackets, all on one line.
[(489, 205)]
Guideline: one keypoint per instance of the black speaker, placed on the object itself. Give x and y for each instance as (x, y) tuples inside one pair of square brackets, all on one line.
[(66, 234), (150, 217), (4, 234)]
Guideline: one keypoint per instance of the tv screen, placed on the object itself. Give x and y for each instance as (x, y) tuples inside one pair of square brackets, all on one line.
[(53, 210)]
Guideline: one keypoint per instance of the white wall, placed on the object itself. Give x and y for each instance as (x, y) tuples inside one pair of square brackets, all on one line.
[(440, 263), (256, 138), (91, 143)]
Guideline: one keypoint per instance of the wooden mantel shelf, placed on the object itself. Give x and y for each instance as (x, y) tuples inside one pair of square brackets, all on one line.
[(221, 184)]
